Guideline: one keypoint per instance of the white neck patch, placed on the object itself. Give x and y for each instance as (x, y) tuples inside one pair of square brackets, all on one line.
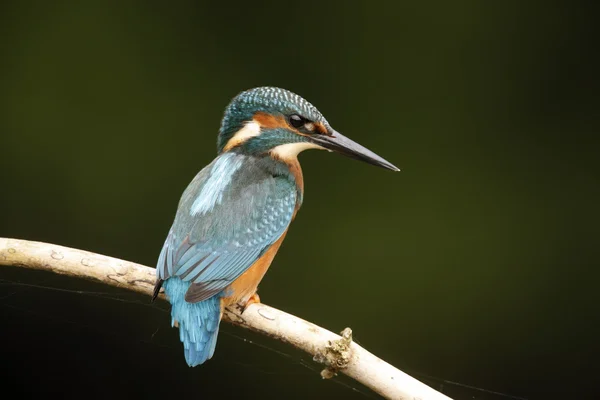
[(251, 129)]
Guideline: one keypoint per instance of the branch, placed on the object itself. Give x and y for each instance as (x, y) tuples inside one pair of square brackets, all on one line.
[(335, 352)]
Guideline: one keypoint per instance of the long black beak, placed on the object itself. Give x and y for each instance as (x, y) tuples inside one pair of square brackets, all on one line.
[(340, 143)]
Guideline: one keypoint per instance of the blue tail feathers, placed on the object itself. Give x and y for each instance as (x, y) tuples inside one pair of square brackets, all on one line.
[(198, 322)]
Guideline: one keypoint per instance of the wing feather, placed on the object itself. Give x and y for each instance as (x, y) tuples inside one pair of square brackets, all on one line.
[(215, 239)]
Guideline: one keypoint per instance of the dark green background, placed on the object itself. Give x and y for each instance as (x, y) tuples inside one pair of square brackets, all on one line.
[(476, 264)]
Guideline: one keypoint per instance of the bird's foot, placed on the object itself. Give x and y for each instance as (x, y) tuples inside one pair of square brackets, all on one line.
[(255, 298)]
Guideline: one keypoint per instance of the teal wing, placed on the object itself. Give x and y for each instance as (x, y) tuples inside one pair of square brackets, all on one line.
[(229, 215)]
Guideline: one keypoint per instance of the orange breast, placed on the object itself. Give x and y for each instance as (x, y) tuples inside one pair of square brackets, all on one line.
[(245, 286)]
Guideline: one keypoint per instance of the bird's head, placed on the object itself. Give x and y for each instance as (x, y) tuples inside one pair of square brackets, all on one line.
[(270, 120)]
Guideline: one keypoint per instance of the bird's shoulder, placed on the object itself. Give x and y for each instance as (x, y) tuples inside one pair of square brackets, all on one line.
[(232, 176), (234, 190)]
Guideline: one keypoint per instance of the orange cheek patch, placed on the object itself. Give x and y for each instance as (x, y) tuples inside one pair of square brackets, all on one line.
[(268, 121)]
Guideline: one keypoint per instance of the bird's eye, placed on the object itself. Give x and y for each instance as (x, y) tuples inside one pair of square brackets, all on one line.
[(296, 121)]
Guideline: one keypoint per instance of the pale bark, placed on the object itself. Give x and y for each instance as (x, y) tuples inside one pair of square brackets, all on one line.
[(337, 353)]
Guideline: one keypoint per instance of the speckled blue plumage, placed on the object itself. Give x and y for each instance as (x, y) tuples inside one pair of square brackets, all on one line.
[(267, 99), (229, 215), (240, 206)]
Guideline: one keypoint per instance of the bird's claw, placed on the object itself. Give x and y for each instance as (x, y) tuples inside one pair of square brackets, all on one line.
[(255, 298)]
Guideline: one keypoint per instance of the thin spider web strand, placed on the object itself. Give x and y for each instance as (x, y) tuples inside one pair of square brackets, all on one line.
[(300, 361), (109, 296)]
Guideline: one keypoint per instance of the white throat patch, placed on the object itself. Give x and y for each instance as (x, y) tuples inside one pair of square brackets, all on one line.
[(291, 150)]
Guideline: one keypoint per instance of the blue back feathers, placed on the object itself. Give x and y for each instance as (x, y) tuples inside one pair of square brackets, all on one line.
[(271, 100), (229, 215)]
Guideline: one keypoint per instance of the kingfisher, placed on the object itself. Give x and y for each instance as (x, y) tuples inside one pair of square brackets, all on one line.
[(235, 213)]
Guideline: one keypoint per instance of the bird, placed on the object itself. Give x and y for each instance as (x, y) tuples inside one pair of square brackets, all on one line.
[(235, 213)]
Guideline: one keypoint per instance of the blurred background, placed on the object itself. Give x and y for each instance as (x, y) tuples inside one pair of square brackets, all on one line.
[(475, 269)]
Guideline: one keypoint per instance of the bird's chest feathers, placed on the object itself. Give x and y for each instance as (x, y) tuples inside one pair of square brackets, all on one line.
[(296, 171)]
